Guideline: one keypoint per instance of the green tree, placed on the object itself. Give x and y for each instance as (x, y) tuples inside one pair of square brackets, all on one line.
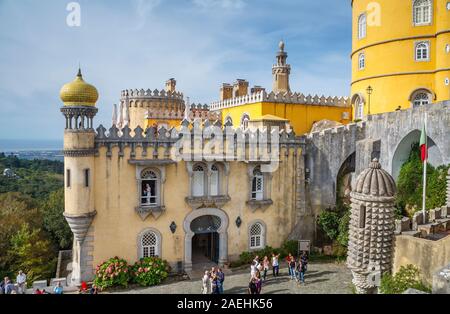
[(407, 277), (54, 221), (32, 253), (329, 223)]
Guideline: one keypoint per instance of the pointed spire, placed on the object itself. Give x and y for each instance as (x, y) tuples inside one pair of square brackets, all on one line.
[(79, 71), (114, 115)]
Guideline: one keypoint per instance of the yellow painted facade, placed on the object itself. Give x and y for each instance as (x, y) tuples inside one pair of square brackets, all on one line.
[(301, 116), (391, 66)]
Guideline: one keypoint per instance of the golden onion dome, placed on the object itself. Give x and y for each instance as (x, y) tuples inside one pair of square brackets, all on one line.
[(78, 93)]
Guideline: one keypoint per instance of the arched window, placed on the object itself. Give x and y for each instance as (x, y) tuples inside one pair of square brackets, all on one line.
[(362, 61), (256, 234), (214, 180), (149, 244), (422, 51), (362, 26), (257, 185), (359, 108), (422, 10), (198, 180), (149, 188), (244, 121), (421, 98)]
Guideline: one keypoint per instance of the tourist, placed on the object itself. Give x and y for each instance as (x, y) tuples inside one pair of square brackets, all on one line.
[(304, 259), (265, 267), (37, 291), (252, 288), (253, 269), (258, 282), (256, 260), (205, 282), (58, 288), (8, 286), (21, 281), (292, 268), (301, 269), (289, 258), (275, 264), (215, 284), (221, 276), (83, 288), (45, 292), (94, 290), (211, 276)]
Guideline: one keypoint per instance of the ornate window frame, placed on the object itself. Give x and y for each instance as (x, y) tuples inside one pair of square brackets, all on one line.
[(158, 245), (422, 23), (361, 61), (421, 91), (263, 234), (208, 199), (245, 118), (428, 50), (362, 26), (267, 187), (157, 208)]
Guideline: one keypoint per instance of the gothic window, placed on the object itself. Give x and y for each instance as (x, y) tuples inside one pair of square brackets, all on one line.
[(198, 180), (422, 10), (214, 180), (149, 244), (422, 51), (244, 121), (421, 98), (362, 26), (362, 61), (359, 108), (256, 236), (257, 185), (149, 188)]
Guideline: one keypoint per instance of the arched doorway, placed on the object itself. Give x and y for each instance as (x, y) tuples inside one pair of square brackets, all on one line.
[(206, 233), (205, 242), (404, 149)]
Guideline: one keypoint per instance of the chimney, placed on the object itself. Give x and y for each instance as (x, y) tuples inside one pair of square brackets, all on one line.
[(256, 89), (240, 88), (226, 91)]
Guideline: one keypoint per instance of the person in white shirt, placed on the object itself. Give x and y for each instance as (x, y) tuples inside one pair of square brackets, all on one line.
[(21, 281), (205, 282), (253, 269)]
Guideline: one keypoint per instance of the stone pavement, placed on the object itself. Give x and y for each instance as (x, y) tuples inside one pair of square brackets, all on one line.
[(321, 278)]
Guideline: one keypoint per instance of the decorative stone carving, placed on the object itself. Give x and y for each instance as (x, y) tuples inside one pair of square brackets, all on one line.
[(372, 226), (80, 224)]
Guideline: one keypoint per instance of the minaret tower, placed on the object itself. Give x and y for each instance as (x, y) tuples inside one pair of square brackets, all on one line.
[(79, 109), (281, 72)]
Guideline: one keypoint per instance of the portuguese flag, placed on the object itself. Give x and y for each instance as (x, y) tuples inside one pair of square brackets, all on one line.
[(423, 145)]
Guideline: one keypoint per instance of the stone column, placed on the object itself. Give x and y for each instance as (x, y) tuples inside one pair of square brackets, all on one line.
[(223, 248), (188, 252)]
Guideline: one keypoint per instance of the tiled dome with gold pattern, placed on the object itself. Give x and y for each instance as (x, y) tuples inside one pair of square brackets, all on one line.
[(78, 93)]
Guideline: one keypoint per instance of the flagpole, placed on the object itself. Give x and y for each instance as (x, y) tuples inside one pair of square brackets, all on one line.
[(425, 174)]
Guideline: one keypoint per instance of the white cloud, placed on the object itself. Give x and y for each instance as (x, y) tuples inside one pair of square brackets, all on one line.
[(225, 4)]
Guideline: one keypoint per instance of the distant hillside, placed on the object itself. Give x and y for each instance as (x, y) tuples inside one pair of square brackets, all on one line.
[(36, 178)]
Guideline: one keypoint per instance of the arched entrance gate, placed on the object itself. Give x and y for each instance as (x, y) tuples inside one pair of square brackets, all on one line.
[(206, 233)]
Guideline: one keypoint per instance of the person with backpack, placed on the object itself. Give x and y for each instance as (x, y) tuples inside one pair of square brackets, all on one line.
[(221, 277)]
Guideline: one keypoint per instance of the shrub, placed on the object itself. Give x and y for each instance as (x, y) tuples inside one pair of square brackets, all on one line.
[(344, 223), (407, 277), (150, 271), (290, 246), (114, 272), (329, 222)]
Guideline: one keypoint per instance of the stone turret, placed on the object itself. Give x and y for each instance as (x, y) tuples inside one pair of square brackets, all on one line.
[(281, 72), (372, 225), (79, 110)]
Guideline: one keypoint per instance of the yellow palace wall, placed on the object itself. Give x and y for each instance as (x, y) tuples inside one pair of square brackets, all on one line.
[(116, 226), (301, 117), (391, 69)]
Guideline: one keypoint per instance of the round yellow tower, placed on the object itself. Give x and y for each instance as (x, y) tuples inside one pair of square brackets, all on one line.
[(400, 54), (79, 109)]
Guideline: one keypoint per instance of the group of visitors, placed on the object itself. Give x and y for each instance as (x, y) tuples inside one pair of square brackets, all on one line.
[(296, 270), (297, 267), (212, 281), (20, 287)]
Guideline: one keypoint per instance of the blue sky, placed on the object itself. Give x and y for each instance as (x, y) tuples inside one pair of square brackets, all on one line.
[(142, 43)]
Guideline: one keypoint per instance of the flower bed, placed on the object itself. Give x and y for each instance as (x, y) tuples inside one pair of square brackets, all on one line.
[(113, 272), (150, 271)]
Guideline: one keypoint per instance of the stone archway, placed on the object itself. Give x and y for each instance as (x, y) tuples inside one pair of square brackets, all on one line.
[(189, 234), (404, 149)]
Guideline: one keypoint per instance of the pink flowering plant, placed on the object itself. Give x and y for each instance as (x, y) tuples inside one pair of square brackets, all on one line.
[(113, 272), (150, 271)]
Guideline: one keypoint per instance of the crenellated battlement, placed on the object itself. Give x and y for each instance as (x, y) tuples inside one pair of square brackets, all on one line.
[(149, 94), (197, 130), (293, 98)]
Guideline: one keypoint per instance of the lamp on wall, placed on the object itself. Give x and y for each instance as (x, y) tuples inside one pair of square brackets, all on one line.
[(369, 92), (173, 227), (238, 221)]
